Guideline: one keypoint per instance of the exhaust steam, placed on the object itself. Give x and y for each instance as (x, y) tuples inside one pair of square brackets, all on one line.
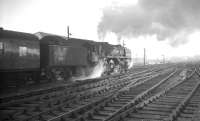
[(97, 71)]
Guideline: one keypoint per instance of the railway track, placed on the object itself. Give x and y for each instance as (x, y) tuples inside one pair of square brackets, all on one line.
[(175, 103), (76, 87), (132, 93), (77, 84), (89, 112), (43, 107), (70, 88)]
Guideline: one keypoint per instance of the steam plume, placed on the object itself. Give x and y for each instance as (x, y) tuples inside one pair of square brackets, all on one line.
[(97, 71), (167, 19), (130, 64)]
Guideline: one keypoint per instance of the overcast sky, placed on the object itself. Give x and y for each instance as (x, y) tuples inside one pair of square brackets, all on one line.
[(169, 27)]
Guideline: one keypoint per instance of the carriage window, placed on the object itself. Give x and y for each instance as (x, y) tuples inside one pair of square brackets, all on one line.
[(1, 47), (32, 52), (22, 51)]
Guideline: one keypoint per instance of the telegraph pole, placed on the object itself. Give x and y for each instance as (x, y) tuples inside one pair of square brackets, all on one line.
[(144, 56), (68, 32)]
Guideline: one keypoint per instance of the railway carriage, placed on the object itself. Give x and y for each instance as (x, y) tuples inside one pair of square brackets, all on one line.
[(19, 58)]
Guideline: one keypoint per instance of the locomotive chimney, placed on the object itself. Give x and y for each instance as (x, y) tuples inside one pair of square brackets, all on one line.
[(124, 48)]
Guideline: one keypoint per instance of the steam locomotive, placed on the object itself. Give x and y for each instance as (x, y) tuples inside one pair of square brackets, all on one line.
[(28, 58)]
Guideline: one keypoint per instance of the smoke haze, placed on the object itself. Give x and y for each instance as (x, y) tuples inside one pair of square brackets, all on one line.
[(171, 20)]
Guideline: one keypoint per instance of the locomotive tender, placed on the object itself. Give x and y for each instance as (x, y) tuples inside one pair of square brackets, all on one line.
[(27, 58)]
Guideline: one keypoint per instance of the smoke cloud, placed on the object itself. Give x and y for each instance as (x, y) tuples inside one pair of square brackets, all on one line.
[(167, 19)]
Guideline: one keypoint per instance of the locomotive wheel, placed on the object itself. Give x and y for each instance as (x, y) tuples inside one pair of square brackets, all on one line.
[(58, 74)]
